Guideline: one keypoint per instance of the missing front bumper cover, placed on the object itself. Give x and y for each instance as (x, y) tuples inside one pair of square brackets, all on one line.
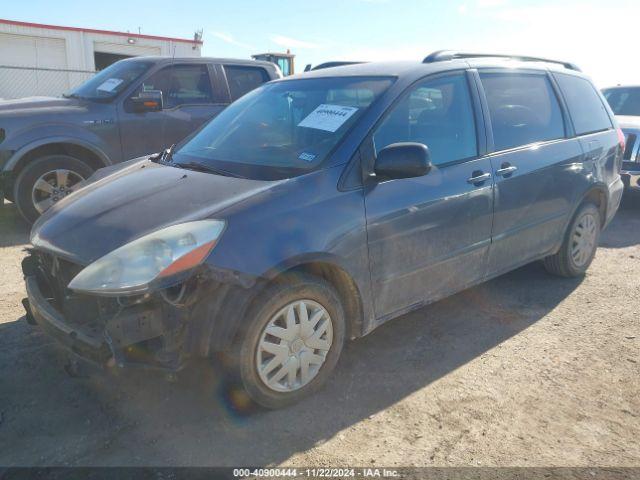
[(140, 335)]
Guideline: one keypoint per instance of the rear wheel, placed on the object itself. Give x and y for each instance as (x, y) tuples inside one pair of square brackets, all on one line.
[(46, 181), (579, 245), (291, 342)]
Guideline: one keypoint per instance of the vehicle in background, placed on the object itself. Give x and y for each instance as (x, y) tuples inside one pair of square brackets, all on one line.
[(625, 103), (284, 61), (135, 107), (318, 207)]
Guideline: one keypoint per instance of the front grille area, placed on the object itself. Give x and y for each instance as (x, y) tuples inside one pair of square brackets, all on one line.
[(83, 311)]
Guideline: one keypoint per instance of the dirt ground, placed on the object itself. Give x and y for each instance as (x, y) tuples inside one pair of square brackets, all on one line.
[(526, 370)]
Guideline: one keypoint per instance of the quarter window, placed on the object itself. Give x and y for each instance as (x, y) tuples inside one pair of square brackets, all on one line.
[(437, 113), (523, 109), (181, 85), (244, 79), (586, 107)]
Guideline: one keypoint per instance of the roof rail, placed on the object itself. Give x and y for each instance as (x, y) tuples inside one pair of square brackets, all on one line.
[(331, 65), (443, 55)]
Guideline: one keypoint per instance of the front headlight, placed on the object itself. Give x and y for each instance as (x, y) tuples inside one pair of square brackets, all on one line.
[(131, 268)]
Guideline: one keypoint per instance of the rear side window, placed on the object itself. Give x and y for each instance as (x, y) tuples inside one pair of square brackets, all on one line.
[(585, 104), (523, 109), (244, 79)]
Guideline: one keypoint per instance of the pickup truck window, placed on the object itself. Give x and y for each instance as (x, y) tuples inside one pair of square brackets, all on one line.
[(110, 81), (244, 79), (181, 85)]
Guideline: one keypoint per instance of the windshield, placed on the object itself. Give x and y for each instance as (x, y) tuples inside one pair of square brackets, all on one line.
[(623, 101), (111, 81), (282, 129)]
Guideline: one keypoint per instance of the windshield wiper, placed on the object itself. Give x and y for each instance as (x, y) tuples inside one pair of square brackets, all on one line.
[(168, 154), (164, 157), (199, 167)]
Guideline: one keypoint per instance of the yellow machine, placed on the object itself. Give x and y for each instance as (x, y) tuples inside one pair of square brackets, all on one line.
[(283, 60)]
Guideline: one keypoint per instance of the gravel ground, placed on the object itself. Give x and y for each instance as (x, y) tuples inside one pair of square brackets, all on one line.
[(526, 370)]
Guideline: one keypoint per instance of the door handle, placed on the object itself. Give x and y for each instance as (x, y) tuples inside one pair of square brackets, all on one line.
[(478, 177), (506, 170)]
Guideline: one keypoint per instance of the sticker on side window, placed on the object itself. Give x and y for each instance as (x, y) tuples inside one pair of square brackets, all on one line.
[(109, 85), (328, 117)]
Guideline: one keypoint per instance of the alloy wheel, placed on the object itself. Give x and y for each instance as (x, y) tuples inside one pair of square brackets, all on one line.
[(52, 187)]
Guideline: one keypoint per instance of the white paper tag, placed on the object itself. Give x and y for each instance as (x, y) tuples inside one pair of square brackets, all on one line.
[(109, 85), (328, 117)]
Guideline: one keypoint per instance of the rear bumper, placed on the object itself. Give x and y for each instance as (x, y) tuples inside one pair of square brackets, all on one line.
[(614, 193)]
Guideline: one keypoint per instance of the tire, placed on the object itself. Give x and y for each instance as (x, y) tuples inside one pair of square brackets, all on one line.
[(315, 293), (565, 263), (23, 189)]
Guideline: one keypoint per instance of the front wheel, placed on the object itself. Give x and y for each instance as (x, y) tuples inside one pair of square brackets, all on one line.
[(45, 181), (291, 342), (579, 245)]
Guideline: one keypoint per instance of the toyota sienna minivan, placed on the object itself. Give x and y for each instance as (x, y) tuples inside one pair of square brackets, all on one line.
[(317, 207)]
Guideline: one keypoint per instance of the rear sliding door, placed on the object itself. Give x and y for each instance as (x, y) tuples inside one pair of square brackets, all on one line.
[(532, 163)]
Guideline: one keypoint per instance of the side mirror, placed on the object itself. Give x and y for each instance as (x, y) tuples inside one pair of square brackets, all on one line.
[(403, 160), (147, 101)]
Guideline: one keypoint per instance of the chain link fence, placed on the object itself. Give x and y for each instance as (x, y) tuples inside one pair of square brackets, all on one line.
[(18, 82)]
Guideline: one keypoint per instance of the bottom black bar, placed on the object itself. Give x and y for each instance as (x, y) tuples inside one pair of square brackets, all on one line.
[(418, 473)]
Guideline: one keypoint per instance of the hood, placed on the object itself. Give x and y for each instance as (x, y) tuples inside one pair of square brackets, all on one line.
[(137, 199), (35, 105), (628, 121)]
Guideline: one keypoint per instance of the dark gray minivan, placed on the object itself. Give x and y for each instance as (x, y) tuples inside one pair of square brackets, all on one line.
[(135, 107), (319, 206)]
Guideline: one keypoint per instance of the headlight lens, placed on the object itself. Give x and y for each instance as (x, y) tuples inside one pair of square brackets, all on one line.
[(131, 268)]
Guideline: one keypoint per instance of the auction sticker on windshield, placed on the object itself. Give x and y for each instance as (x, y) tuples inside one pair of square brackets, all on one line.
[(328, 117), (109, 85)]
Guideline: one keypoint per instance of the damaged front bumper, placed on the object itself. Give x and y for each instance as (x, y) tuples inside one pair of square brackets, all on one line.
[(160, 330), (40, 312)]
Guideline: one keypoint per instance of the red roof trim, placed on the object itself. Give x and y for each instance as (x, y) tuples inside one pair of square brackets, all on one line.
[(91, 30)]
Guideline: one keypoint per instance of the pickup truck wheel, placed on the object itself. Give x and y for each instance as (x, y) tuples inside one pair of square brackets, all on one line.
[(579, 245), (291, 342), (45, 181)]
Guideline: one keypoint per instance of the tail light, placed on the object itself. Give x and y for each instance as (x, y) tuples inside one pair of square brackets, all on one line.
[(621, 140)]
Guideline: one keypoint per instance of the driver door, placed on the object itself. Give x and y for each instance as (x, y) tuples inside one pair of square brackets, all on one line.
[(189, 100), (429, 236)]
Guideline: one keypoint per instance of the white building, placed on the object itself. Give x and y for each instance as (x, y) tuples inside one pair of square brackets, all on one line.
[(38, 59)]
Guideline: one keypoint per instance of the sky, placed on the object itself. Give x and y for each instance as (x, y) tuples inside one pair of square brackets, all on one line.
[(600, 36)]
